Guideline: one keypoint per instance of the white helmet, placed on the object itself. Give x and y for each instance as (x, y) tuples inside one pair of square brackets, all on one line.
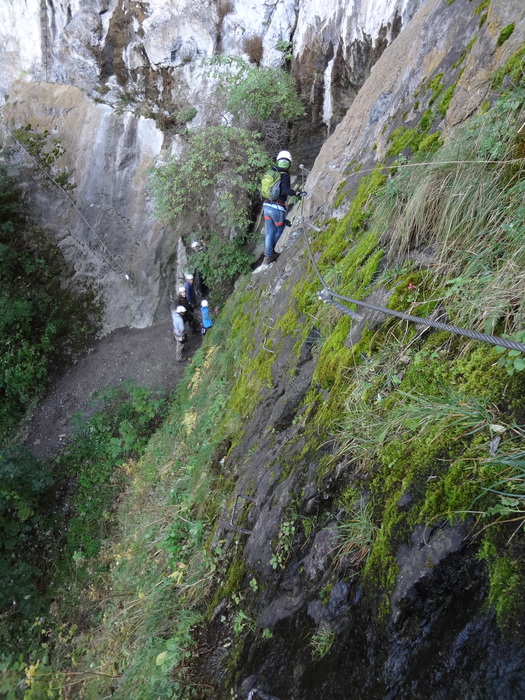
[(180, 310), (204, 302), (189, 276), (195, 244), (284, 154), (182, 290)]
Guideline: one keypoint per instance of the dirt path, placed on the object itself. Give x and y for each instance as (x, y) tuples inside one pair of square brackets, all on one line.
[(145, 355)]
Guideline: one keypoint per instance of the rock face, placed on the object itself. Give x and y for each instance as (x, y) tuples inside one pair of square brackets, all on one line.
[(438, 639), (106, 77), (105, 225)]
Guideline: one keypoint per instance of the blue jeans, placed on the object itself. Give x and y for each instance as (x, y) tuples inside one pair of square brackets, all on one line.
[(274, 218)]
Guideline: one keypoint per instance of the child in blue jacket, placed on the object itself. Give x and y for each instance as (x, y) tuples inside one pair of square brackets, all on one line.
[(206, 319)]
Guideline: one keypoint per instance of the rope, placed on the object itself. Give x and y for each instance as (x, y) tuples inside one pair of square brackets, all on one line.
[(71, 201), (330, 296)]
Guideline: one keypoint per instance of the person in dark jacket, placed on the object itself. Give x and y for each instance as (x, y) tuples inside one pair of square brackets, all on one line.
[(190, 291), (190, 316), (199, 285), (275, 211)]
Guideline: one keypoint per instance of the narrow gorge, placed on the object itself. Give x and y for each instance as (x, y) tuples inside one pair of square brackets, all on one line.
[(327, 500)]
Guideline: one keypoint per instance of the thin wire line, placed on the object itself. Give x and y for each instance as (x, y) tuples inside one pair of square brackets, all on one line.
[(71, 201), (329, 296)]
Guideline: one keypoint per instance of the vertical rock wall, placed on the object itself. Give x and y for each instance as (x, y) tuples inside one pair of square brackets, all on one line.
[(107, 78)]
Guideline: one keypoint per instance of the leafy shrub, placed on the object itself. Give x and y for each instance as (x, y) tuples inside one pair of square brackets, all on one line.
[(185, 115), (44, 320), (215, 177), (257, 93), (24, 484), (221, 262), (118, 431)]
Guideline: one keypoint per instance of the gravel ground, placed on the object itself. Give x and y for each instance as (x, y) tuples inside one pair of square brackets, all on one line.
[(146, 355)]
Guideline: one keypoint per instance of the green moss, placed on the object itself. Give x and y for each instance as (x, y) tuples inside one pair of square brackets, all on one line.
[(445, 99), (416, 105), (416, 139), (349, 168), (482, 7), (336, 237), (231, 584), (505, 34), (411, 292), (431, 143), (506, 577), (402, 138), (482, 20), (484, 107), (426, 120), (436, 87), (512, 69), (460, 60)]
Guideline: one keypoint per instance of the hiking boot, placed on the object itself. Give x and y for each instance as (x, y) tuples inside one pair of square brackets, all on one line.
[(268, 259), (274, 256)]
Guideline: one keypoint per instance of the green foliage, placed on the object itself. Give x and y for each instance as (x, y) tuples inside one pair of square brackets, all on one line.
[(186, 114), (322, 641), (215, 178), (355, 535), (179, 647), (442, 204), (118, 431), (480, 9), (512, 360), (221, 263), (286, 48), (45, 319), (513, 69), (284, 545), (24, 485), (255, 93)]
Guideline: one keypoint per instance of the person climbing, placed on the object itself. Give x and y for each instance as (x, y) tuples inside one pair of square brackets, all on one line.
[(200, 286), (274, 202), (190, 317), (179, 331), (190, 291), (207, 321)]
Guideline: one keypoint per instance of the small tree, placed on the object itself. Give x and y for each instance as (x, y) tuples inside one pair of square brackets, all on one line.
[(256, 93), (216, 177)]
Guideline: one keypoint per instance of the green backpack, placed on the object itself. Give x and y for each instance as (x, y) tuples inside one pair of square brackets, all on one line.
[(271, 185)]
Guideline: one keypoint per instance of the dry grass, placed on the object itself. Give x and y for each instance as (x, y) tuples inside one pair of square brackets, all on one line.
[(253, 46)]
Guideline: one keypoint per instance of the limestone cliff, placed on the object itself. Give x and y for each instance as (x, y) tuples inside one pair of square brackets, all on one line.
[(106, 78)]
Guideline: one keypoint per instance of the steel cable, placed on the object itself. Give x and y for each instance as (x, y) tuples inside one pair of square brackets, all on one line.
[(330, 296)]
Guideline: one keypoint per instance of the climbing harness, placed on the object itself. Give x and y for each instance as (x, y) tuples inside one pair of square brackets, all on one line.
[(329, 296)]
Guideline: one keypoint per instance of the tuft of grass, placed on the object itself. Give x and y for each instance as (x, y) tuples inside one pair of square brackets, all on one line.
[(456, 204)]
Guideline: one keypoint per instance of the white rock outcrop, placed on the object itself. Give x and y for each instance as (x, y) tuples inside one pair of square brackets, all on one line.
[(102, 75)]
